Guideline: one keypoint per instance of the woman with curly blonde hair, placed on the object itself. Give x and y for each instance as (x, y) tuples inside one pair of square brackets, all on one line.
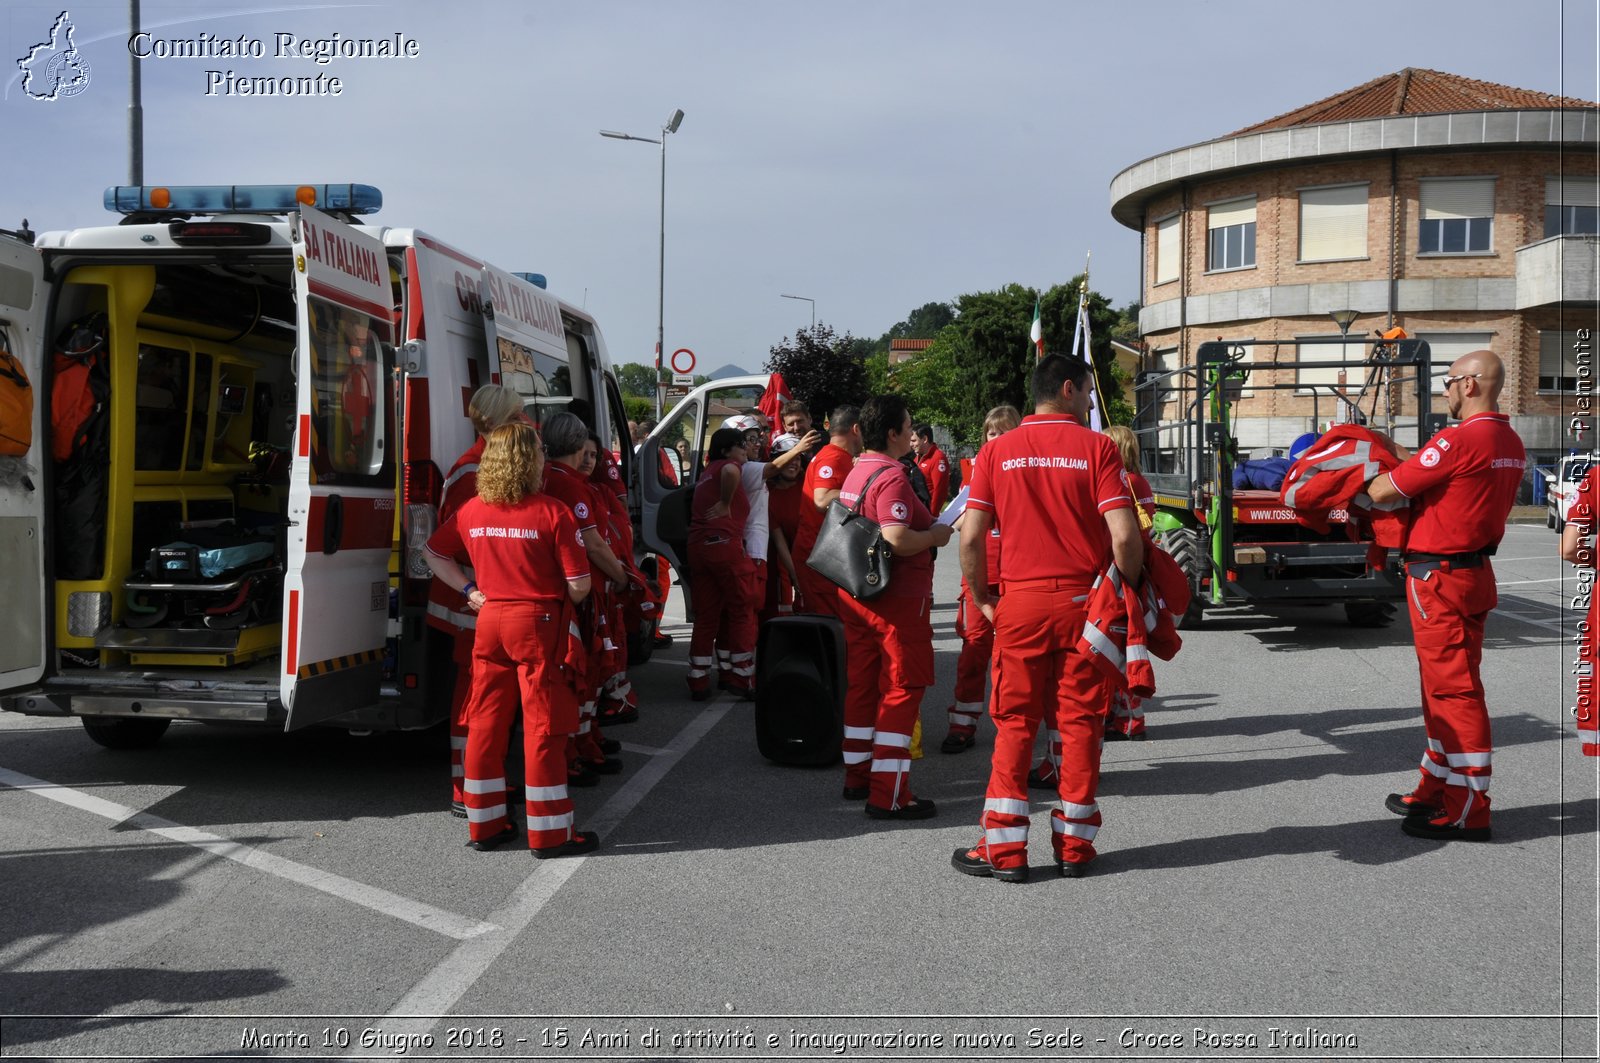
[(530, 568), (491, 407)]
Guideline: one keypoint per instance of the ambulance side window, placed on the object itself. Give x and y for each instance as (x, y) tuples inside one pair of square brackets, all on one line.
[(352, 398), (678, 445)]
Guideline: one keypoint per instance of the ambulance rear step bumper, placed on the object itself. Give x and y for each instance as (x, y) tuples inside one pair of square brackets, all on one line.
[(101, 694)]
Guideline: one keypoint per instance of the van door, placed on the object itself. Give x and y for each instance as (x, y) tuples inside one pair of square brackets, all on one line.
[(670, 460), (342, 487), (22, 579)]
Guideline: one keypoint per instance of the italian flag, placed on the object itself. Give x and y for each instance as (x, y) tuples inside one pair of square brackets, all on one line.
[(1036, 332)]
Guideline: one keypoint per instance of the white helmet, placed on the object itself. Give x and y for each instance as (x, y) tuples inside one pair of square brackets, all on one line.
[(785, 443), (742, 422)]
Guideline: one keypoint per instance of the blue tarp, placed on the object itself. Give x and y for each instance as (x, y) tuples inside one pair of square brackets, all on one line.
[(1263, 474)]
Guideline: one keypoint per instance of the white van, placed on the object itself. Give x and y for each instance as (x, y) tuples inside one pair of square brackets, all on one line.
[(283, 389)]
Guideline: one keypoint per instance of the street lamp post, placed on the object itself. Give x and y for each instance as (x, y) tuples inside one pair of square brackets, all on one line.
[(813, 303), (1344, 319), (661, 263)]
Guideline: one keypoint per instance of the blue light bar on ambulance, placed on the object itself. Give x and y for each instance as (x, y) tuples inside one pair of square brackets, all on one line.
[(241, 199), (535, 279)]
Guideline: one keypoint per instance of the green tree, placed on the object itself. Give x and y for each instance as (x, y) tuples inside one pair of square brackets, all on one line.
[(636, 379), (931, 383), (923, 323), (639, 408), (822, 369)]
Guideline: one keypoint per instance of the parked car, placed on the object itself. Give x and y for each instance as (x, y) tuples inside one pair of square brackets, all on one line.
[(1564, 480)]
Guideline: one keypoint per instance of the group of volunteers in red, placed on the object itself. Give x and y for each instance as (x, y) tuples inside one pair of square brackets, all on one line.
[(1060, 620)]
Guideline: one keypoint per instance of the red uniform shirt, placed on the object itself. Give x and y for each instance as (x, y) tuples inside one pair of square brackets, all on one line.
[(707, 493), (890, 502), (1048, 484), (1143, 496), (462, 483), (609, 473), (520, 553), (936, 470), (783, 510), (1462, 486), (566, 486), (826, 472)]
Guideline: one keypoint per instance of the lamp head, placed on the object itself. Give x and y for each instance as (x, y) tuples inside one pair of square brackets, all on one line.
[(674, 122)]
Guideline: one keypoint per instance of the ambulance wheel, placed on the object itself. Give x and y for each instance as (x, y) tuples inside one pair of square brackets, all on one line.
[(1369, 614), (1184, 546), (122, 732)]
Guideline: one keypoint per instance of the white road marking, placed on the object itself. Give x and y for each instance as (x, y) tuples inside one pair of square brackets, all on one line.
[(378, 900), (440, 989), (649, 751)]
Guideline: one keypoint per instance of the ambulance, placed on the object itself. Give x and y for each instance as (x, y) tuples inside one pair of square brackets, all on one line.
[(274, 390)]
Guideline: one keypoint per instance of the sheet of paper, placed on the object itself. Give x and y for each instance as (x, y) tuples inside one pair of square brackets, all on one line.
[(957, 506)]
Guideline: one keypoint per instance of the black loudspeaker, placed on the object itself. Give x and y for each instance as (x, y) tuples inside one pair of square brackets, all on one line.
[(800, 680)]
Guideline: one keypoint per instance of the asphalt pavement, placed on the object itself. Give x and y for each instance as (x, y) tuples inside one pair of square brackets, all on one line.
[(236, 893)]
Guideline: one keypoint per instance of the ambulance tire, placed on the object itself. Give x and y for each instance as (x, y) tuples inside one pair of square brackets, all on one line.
[(1184, 546), (119, 732)]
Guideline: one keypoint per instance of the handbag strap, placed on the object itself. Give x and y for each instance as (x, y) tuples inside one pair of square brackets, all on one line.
[(861, 499)]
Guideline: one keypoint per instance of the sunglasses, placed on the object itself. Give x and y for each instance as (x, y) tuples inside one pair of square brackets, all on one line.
[(1454, 379)]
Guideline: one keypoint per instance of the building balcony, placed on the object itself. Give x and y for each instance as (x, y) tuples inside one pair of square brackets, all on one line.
[(1560, 269)]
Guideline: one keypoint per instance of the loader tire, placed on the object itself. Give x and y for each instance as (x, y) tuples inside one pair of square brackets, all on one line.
[(1184, 546), (122, 732)]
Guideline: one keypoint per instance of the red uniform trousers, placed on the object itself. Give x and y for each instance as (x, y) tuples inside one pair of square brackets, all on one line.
[(724, 611), (736, 668), (616, 688), (819, 594), (972, 666), (890, 664), (1038, 673), (777, 597), (515, 667), (1448, 607), (460, 695)]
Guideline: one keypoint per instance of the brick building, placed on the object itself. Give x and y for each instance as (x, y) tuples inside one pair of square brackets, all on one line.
[(1465, 212)]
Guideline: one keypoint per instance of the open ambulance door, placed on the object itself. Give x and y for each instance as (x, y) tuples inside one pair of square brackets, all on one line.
[(342, 480), (22, 574), (670, 460)]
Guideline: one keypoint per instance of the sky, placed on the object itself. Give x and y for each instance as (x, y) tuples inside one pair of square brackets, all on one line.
[(871, 155)]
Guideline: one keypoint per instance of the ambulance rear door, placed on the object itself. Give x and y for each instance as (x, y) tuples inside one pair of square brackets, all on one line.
[(22, 575), (670, 460), (342, 488)]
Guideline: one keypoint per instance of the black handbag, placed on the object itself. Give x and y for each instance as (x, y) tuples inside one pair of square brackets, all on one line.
[(851, 550)]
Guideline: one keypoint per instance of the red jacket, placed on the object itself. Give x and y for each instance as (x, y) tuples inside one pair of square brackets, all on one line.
[(1332, 474), (1126, 625)]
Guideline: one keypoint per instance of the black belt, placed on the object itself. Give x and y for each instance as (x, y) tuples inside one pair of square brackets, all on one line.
[(1423, 563)]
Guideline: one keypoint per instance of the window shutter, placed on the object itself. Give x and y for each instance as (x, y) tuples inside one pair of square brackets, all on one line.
[(1333, 223), (1571, 191), (1452, 198), (1446, 347), (1234, 212), (1167, 250)]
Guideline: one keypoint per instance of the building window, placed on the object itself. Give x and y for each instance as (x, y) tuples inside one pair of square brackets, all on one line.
[(1168, 250), (1558, 358), (1231, 235), (1444, 348), (1333, 223), (1571, 206), (1328, 349), (1457, 216)]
